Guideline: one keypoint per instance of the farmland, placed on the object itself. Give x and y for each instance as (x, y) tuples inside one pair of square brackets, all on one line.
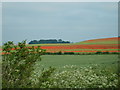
[(71, 68), (113, 40), (25, 67), (103, 45)]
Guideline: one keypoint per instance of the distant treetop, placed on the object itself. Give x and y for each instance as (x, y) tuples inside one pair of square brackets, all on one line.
[(42, 41)]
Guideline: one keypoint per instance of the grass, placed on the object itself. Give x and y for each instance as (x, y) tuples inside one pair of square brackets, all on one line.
[(0, 71), (98, 42), (92, 49), (57, 61), (73, 71), (0, 61)]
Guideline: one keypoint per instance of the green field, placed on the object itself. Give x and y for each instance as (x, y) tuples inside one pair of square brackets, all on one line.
[(0, 71), (58, 61), (99, 42)]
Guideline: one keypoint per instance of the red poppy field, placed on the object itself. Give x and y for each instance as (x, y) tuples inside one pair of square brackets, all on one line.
[(82, 48), (85, 46)]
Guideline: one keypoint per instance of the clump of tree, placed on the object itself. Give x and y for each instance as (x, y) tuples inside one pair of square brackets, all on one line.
[(48, 41)]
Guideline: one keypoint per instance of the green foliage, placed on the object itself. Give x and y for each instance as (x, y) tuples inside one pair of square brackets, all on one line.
[(17, 65), (45, 76), (99, 52), (69, 53), (83, 53), (8, 46), (49, 41)]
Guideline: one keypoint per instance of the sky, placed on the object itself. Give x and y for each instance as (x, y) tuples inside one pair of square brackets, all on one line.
[(68, 21), (0, 23)]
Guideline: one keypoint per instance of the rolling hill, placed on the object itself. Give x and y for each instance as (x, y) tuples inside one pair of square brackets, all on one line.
[(103, 45), (113, 40), (88, 46)]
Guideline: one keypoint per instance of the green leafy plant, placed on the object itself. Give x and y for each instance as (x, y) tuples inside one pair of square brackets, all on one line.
[(17, 64)]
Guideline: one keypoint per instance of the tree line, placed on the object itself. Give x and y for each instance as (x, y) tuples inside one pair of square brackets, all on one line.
[(42, 41), (74, 53)]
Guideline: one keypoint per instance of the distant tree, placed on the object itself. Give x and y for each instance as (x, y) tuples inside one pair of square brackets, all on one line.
[(48, 41), (59, 40), (59, 53), (98, 52)]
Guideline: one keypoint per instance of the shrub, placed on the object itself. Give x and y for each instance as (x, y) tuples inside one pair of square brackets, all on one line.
[(17, 64), (98, 52), (59, 53), (69, 53), (105, 52)]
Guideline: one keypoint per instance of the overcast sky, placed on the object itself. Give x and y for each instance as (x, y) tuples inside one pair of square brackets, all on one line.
[(67, 21)]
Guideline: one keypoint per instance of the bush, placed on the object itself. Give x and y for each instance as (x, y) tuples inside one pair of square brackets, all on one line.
[(98, 52), (17, 64), (69, 53), (114, 52)]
